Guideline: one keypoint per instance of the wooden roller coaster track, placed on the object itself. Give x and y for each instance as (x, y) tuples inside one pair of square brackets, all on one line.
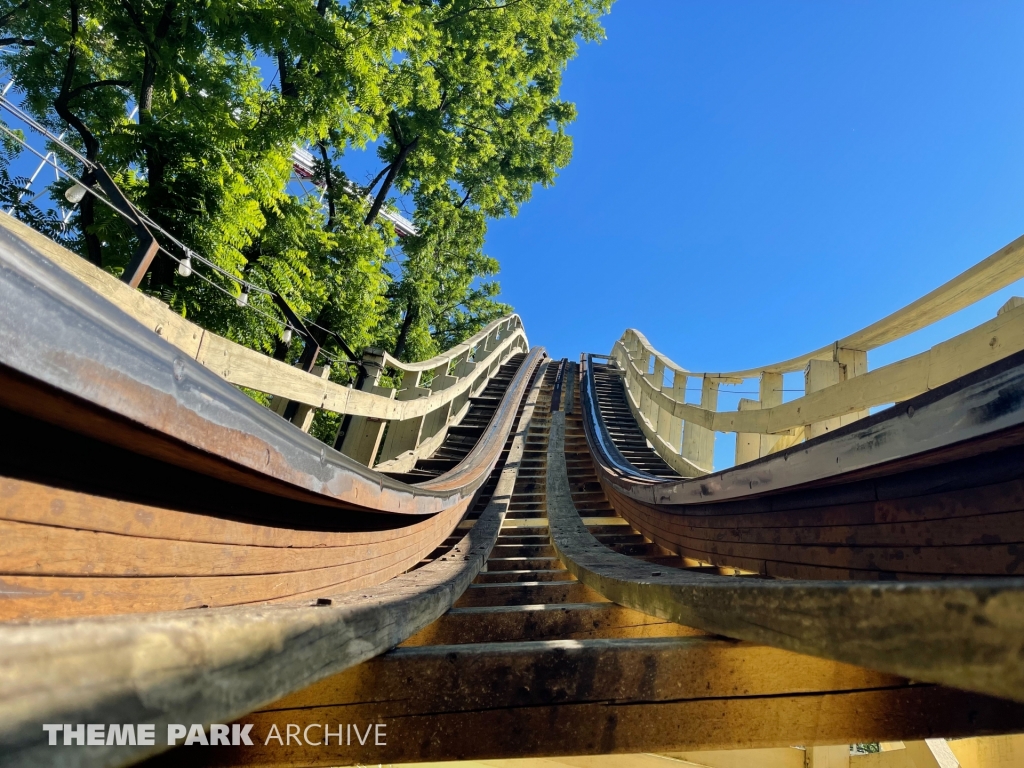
[(506, 555)]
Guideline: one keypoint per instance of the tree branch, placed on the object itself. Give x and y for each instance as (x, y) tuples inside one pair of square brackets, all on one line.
[(393, 169), (473, 8), (136, 20), (17, 41), (6, 18), (98, 84), (396, 166), (369, 188)]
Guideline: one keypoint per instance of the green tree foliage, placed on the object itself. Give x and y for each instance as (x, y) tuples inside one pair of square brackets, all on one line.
[(173, 98)]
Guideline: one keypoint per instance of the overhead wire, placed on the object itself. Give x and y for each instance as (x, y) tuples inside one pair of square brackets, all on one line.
[(188, 254)]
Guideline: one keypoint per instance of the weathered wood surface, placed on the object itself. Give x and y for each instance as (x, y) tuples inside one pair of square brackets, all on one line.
[(490, 694), (247, 368), (69, 357), (600, 697), (217, 664), (968, 634), (49, 571)]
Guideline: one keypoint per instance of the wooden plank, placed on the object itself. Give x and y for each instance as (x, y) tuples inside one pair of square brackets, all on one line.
[(31, 596), (748, 444), (989, 752), (779, 757), (544, 727), (699, 441), (819, 375), (769, 396), (567, 621)]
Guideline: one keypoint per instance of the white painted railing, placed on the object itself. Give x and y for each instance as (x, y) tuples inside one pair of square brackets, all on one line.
[(838, 388)]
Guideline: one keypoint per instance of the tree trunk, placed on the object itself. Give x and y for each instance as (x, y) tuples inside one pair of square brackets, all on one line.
[(87, 211), (328, 184), (396, 166), (161, 271), (403, 335)]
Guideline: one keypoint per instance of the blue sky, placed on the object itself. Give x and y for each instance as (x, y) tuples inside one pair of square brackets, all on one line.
[(752, 180)]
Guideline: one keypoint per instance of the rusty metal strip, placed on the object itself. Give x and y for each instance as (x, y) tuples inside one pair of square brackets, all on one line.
[(70, 357)]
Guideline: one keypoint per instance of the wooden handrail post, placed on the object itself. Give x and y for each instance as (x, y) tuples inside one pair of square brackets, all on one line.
[(818, 375), (362, 438), (854, 362), (769, 395), (405, 435), (671, 427), (748, 444), (698, 441), (648, 407)]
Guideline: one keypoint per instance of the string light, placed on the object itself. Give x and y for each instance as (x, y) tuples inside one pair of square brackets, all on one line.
[(185, 265), (75, 194)]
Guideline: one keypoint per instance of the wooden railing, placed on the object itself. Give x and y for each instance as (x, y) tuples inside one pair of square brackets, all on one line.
[(419, 415), (838, 387)]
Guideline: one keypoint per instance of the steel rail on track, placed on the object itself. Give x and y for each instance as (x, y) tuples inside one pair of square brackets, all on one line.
[(967, 633), (69, 357)]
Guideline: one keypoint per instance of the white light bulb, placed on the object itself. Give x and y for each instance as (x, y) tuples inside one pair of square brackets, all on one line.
[(286, 337), (243, 297), (185, 266), (75, 194)]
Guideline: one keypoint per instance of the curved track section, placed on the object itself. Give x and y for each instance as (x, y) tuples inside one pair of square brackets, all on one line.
[(962, 632), (162, 487), (219, 664)]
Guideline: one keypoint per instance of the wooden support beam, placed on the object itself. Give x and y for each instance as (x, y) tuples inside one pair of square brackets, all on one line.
[(832, 756), (769, 396), (778, 757), (362, 439), (593, 697), (748, 444), (854, 363), (566, 621), (989, 752), (670, 427)]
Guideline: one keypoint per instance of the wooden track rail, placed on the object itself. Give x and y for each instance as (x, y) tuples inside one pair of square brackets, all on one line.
[(217, 664), (69, 357), (960, 632), (530, 560), (457, 374), (243, 508), (531, 661)]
